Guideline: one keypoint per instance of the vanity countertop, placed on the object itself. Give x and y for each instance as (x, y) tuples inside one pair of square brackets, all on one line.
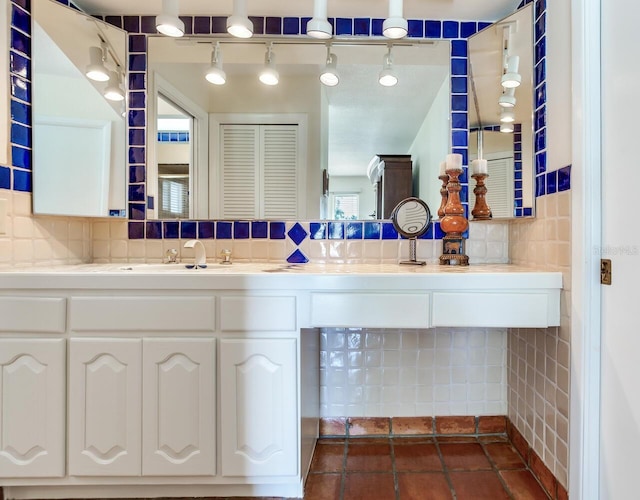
[(267, 275)]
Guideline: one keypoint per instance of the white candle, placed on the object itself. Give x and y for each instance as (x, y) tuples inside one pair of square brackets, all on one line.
[(443, 168), (479, 167), (454, 162)]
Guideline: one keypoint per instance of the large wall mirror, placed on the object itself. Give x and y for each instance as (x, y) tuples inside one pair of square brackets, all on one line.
[(510, 152), (303, 126), (78, 135)]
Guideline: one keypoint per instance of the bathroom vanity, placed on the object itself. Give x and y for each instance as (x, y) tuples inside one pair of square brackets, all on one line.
[(155, 380)]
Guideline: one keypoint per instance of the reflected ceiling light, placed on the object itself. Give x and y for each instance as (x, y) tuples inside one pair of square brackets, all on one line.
[(238, 24), (269, 75), (329, 75), (319, 26), (96, 69), (507, 128), (395, 26), (114, 91), (507, 116), (387, 77), (168, 23), (511, 78), (215, 74), (508, 98)]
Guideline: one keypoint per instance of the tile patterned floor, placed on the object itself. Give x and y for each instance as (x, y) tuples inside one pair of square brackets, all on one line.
[(429, 468)]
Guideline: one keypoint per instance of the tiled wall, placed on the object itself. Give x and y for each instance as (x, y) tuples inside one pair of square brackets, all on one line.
[(539, 360)]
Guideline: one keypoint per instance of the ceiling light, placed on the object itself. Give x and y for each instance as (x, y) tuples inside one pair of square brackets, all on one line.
[(395, 26), (113, 91), (387, 77), (508, 98), (215, 74), (507, 116), (329, 75), (96, 70), (168, 23), (507, 128), (511, 77), (269, 75), (238, 24), (319, 26)]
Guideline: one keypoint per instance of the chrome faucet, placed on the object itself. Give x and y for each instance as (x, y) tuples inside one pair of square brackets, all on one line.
[(171, 256), (200, 260)]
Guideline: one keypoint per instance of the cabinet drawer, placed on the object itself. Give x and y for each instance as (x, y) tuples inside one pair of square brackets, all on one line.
[(370, 310), (266, 314), (143, 314), (33, 314)]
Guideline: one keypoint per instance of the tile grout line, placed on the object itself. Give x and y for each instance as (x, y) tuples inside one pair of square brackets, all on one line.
[(343, 475), (445, 469), (494, 468)]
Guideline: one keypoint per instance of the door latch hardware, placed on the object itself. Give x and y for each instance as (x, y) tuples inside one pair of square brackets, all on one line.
[(605, 271)]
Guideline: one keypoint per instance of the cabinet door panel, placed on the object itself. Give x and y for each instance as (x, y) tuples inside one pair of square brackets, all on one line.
[(258, 407), (32, 402), (178, 407), (104, 407)]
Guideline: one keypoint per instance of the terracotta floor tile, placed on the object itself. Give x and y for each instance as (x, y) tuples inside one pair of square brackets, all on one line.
[(492, 424), (423, 486), (456, 439), (372, 457), (336, 426), (369, 426), (481, 485), (368, 486), (464, 456), (322, 487), (522, 485), (412, 425), (455, 425), (505, 456), (417, 457), (328, 458), (493, 438)]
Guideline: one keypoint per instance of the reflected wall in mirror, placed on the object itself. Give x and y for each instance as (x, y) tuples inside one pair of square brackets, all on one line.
[(78, 135), (339, 129), (509, 155)]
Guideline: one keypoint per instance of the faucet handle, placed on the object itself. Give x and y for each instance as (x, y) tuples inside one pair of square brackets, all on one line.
[(225, 254), (171, 256)]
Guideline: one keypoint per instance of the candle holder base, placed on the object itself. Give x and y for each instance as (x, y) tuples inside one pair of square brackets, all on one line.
[(453, 251)]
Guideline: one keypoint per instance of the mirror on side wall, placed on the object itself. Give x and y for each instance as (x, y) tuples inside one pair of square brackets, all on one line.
[(509, 153), (78, 134)]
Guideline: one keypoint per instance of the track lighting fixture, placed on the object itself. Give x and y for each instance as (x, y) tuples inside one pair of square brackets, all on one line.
[(319, 26), (329, 75), (511, 78), (507, 116), (215, 74), (269, 75), (114, 91), (387, 77), (96, 69), (508, 98), (238, 24), (506, 128), (168, 23), (395, 26)]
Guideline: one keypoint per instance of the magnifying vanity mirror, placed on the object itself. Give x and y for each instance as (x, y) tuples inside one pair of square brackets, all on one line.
[(78, 134), (411, 218), (509, 155)]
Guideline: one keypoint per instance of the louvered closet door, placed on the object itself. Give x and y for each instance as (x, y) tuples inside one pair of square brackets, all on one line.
[(280, 158), (500, 187), (240, 176)]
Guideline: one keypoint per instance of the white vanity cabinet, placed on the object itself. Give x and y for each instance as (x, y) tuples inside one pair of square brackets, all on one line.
[(32, 407)]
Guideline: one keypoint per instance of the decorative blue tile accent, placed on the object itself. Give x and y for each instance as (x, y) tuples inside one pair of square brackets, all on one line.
[(343, 26), (241, 230), (151, 202), (450, 29), (459, 85), (277, 230), (19, 65), (206, 230), (171, 229), (540, 185), (21, 157), (136, 155), (136, 137), (552, 182), (137, 81), (297, 233), (541, 139), (259, 229), (460, 138), (20, 42), (354, 230), (20, 135), (540, 50), (188, 24), (433, 29), (540, 72), (223, 230), (415, 28), (388, 231), (136, 118), (336, 230), (188, 229), (137, 100), (458, 48), (372, 230), (540, 27), (541, 162), (540, 118), (438, 233), (564, 178), (136, 192), (137, 174), (459, 120), (459, 103), (297, 257), (459, 67), (376, 27), (541, 95), (148, 24), (541, 6), (137, 211), (132, 25), (202, 25), (483, 24), (291, 26), (154, 230), (21, 112), (273, 25), (468, 28), (527, 212), (361, 26), (258, 25), (137, 62), (20, 19), (218, 24), (5, 178), (20, 89), (318, 230), (136, 230)]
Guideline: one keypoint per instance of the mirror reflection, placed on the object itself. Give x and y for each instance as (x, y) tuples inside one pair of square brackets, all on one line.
[(78, 134), (267, 146), (503, 135)]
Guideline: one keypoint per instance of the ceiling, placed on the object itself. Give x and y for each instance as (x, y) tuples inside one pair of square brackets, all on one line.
[(363, 117)]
